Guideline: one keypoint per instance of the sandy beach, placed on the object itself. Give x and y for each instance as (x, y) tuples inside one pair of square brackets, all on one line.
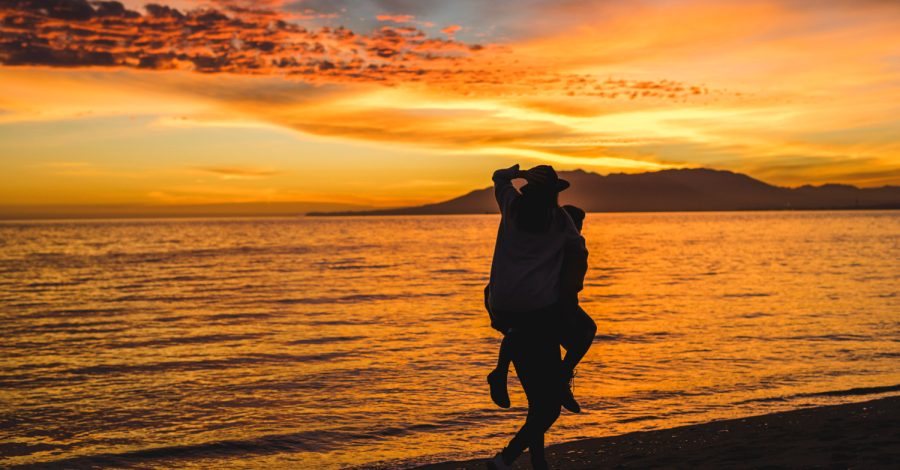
[(858, 435)]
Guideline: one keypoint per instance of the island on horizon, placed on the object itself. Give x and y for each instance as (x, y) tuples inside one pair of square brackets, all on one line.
[(675, 190)]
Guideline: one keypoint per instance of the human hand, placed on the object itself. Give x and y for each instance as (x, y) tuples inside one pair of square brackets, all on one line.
[(518, 173)]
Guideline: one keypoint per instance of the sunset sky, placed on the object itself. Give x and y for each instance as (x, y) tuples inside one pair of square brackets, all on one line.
[(399, 102)]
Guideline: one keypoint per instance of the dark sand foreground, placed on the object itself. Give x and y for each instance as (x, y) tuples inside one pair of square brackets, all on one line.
[(860, 436)]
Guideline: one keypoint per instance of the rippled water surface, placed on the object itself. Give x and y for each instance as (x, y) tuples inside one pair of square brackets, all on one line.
[(352, 341)]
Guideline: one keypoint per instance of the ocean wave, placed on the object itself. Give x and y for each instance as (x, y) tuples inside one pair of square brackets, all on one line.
[(182, 340), (40, 285), (755, 315), (360, 298), (86, 373), (202, 364), (264, 445), (450, 271), (350, 264), (746, 294), (651, 337), (57, 259), (73, 327), (239, 316), (298, 442), (325, 340), (828, 337), (166, 299), (860, 391)]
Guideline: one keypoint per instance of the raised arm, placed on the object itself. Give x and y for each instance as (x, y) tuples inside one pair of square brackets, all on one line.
[(504, 191)]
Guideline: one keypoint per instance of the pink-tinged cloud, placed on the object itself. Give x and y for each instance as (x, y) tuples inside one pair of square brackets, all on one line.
[(451, 30), (396, 18)]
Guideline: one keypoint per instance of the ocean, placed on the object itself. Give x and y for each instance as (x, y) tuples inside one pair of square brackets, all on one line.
[(352, 342)]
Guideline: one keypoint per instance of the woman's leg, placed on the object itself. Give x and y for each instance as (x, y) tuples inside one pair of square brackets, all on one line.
[(576, 335), (497, 378), (579, 330), (504, 357)]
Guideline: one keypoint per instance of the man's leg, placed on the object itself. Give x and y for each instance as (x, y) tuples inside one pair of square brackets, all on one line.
[(536, 452), (547, 414), (541, 416), (535, 354)]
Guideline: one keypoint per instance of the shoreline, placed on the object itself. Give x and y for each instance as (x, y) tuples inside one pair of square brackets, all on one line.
[(854, 435)]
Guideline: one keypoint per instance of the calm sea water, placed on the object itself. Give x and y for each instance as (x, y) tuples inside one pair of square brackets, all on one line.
[(319, 343)]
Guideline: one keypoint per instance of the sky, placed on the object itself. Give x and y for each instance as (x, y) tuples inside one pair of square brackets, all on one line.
[(398, 102)]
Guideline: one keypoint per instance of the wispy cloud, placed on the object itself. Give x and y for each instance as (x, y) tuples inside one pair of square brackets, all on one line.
[(451, 30), (69, 169), (396, 18), (234, 172)]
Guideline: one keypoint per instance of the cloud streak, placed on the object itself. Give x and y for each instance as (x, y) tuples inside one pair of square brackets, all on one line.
[(232, 172)]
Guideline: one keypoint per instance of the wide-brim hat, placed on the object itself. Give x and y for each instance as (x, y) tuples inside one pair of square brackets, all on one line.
[(560, 186), (553, 184)]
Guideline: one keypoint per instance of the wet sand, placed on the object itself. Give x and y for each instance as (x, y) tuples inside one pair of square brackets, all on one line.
[(859, 435)]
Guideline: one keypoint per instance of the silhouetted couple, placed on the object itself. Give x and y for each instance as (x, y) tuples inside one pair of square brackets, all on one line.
[(539, 264)]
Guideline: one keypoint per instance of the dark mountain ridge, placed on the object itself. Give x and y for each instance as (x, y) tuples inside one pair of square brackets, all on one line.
[(672, 190)]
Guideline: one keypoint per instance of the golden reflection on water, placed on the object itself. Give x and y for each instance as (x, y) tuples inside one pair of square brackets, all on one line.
[(335, 342)]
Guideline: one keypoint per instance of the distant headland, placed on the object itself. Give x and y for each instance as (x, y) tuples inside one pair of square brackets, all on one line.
[(658, 191), (668, 191)]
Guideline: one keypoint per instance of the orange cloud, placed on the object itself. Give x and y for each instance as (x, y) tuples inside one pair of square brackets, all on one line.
[(79, 33), (451, 30), (396, 18), (231, 172), (258, 41)]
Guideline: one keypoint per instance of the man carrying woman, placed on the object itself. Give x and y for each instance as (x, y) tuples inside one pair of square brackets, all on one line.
[(532, 300)]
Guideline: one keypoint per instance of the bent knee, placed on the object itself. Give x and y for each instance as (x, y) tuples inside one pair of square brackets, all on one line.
[(589, 328), (545, 418), (552, 415)]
